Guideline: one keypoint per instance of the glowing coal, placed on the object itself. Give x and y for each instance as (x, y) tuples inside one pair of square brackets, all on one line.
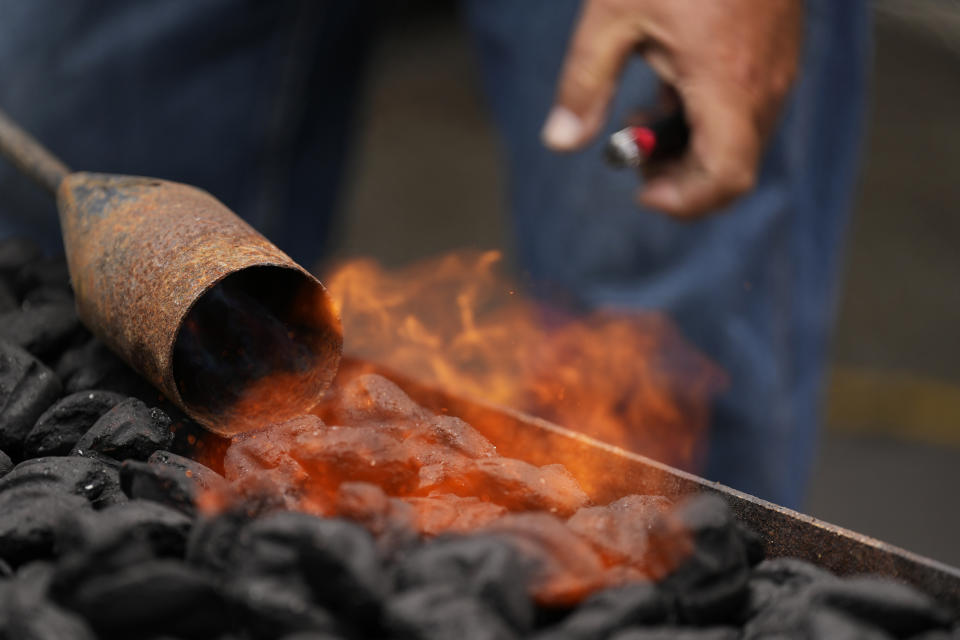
[(457, 323), (373, 454), (395, 466), (96, 546)]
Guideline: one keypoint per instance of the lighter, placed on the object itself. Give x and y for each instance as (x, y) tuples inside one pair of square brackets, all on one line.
[(638, 145)]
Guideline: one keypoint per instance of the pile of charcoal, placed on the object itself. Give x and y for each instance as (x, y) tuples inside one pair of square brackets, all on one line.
[(120, 518)]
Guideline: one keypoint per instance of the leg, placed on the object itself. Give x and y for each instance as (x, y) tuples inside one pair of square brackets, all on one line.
[(753, 286), (221, 95)]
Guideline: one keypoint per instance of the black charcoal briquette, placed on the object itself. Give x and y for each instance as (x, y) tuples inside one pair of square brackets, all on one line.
[(953, 634), (161, 483), (6, 464), (165, 530), (800, 617), (679, 633), (92, 479), (8, 298), (130, 430), (16, 253), (162, 596), (485, 567), (43, 330), (48, 294), (42, 272), (27, 388), (791, 571), (204, 477), (778, 578), (212, 538), (24, 617), (607, 611), (30, 520), (61, 426), (34, 578), (94, 545), (437, 613), (268, 608), (898, 608), (856, 608), (709, 586), (94, 366), (335, 559)]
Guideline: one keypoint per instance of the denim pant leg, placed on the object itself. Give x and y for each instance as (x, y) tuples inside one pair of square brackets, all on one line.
[(752, 286), (251, 101)]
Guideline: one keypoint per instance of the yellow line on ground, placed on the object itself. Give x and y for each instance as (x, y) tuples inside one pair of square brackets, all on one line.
[(893, 403)]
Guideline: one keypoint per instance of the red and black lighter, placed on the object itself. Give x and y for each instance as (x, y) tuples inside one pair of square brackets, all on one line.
[(659, 140)]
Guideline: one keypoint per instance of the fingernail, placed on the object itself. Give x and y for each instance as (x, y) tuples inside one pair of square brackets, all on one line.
[(563, 129)]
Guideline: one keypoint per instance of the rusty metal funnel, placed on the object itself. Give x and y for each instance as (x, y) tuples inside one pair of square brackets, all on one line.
[(225, 324)]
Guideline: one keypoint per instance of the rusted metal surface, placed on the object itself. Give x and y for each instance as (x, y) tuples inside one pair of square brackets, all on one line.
[(29, 156), (607, 473), (145, 253), (142, 252)]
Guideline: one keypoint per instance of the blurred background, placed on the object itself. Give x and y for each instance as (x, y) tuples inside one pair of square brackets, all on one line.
[(889, 457)]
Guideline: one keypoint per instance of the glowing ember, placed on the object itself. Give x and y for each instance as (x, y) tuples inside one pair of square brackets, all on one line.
[(374, 455), (456, 323), (381, 459)]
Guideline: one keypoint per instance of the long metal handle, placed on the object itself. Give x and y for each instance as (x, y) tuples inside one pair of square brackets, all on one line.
[(29, 156)]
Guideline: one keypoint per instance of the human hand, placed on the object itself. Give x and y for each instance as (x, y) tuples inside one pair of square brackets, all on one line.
[(731, 63)]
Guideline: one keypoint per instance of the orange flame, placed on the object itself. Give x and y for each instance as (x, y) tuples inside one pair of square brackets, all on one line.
[(371, 453), (455, 322)]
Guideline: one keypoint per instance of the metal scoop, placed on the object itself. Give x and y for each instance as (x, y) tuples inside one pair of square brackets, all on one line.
[(187, 293)]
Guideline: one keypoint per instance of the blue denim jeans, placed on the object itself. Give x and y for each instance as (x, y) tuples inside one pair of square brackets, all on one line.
[(752, 286), (253, 101)]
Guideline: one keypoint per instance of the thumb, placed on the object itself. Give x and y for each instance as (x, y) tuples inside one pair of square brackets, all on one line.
[(604, 38)]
